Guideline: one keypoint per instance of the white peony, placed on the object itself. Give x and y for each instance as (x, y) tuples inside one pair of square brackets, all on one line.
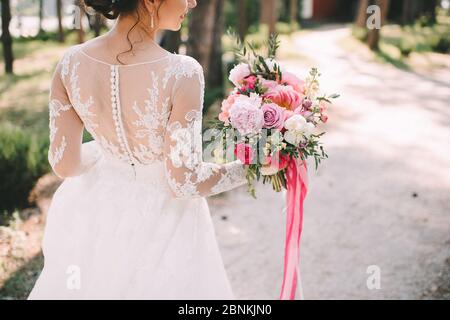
[(295, 122), (298, 129), (294, 137), (309, 129)]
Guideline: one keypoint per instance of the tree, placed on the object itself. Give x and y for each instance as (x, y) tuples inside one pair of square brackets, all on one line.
[(79, 16), (374, 34), (361, 15), (41, 15), (413, 9), (59, 8), (215, 75), (242, 21), (171, 41), (6, 37), (269, 14), (201, 28), (293, 6), (430, 9)]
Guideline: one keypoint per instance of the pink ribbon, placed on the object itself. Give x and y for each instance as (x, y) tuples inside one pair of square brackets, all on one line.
[(297, 187)]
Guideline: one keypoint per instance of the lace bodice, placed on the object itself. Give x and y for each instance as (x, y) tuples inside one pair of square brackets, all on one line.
[(140, 114)]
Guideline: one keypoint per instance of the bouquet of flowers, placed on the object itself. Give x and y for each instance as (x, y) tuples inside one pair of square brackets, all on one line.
[(271, 116)]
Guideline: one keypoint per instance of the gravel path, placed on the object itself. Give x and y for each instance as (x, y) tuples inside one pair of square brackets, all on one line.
[(382, 198)]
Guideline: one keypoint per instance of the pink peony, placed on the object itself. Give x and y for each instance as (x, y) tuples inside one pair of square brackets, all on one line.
[(284, 96), (246, 114), (239, 73), (269, 84), (273, 116), (291, 79), (226, 105)]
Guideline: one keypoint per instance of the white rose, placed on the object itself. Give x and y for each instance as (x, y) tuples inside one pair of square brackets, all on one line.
[(308, 129), (294, 137), (296, 122)]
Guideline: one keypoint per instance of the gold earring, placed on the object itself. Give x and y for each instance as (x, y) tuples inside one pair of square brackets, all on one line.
[(152, 23)]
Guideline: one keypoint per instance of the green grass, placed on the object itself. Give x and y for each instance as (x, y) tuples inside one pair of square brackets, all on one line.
[(397, 42), (20, 283)]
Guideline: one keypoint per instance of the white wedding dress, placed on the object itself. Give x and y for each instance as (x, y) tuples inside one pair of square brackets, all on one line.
[(130, 220)]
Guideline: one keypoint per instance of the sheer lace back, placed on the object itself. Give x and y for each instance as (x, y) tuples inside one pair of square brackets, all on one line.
[(140, 114)]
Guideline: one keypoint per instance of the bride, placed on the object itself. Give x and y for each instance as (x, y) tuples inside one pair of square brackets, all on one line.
[(130, 220)]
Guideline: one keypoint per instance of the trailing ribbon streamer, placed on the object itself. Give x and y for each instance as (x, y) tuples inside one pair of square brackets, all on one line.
[(297, 187)]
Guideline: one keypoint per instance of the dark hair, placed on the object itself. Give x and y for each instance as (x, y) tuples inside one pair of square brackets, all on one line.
[(111, 9)]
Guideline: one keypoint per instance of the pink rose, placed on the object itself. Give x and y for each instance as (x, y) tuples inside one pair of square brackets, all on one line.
[(244, 153), (250, 82), (284, 96), (273, 116), (324, 118), (239, 73), (322, 107)]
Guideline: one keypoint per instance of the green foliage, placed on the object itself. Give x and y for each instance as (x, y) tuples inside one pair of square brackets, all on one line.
[(442, 45), (359, 33), (252, 12), (23, 159), (424, 35)]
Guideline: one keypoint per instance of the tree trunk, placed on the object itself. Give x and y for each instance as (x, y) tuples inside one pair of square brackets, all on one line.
[(215, 76), (61, 37), (242, 19), (201, 27), (374, 34), (294, 11), (407, 12), (171, 41), (6, 37), (41, 15), (430, 10), (79, 24), (361, 16), (269, 14)]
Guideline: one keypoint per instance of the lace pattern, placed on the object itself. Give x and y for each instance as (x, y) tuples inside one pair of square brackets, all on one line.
[(188, 175), (151, 120), (160, 122)]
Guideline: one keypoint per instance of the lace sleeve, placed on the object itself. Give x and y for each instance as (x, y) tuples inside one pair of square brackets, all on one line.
[(187, 174), (67, 155)]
